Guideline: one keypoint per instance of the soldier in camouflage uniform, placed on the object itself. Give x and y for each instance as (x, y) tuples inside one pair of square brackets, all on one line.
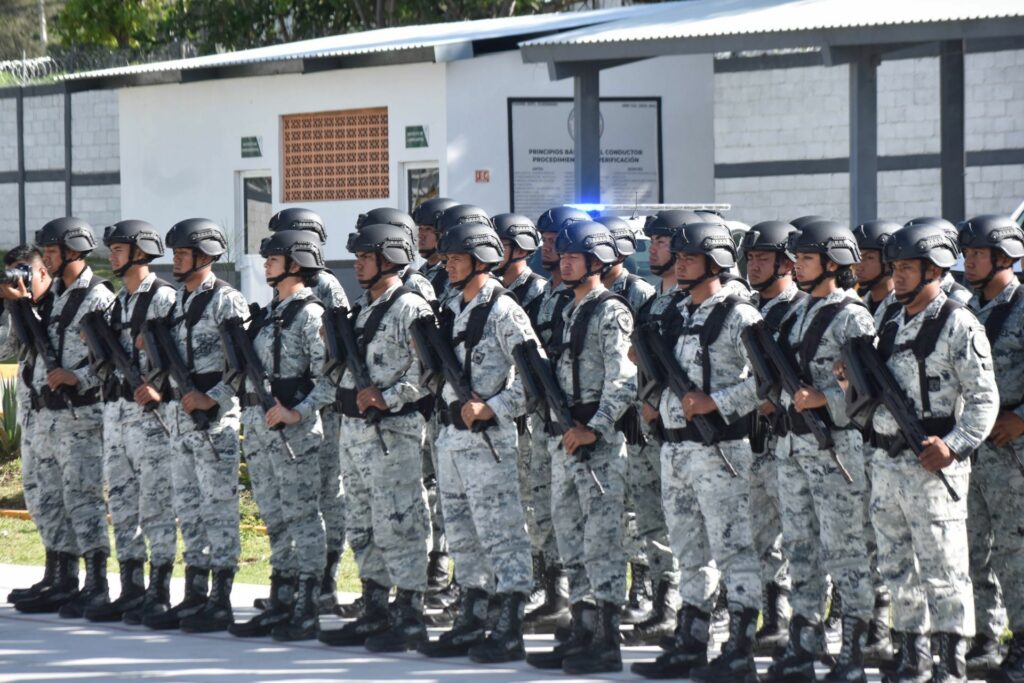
[(706, 500), (483, 511), (770, 274), (331, 294), (388, 517), (28, 259), (953, 289), (283, 443), (136, 452), (823, 516), (548, 323), (599, 381), (991, 245), (941, 349), (68, 440), (205, 463)]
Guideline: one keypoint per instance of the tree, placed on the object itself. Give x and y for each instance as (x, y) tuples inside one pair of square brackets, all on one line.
[(19, 27), (122, 24)]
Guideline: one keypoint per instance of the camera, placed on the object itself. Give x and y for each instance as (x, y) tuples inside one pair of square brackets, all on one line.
[(9, 276)]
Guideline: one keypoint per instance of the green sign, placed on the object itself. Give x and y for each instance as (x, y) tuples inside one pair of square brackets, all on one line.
[(251, 147), (415, 136)]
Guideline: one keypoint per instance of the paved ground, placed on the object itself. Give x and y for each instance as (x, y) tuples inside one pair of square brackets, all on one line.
[(47, 648)]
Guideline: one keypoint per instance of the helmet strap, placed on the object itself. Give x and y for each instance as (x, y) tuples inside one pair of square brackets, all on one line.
[(761, 286), (980, 285), (688, 285), (812, 285), (908, 298), (665, 267)]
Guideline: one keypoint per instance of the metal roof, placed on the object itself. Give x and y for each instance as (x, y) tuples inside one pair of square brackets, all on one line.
[(404, 44), (704, 26)]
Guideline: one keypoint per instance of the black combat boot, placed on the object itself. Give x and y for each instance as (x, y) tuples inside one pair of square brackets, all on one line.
[(216, 614), (354, 609), (1012, 668), (197, 583), (736, 663), (49, 573), (279, 609), (505, 642), (373, 620), (603, 654), (878, 646), (328, 602), (538, 593), (796, 663), (467, 630), (406, 630), (63, 590), (689, 648), (849, 666), (133, 592), (95, 591), (662, 621), (914, 661), (951, 666), (984, 657), (555, 610), (157, 599), (304, 621), (834, 621), (441, 591), (774, 632), (639, 599), (581, 631)]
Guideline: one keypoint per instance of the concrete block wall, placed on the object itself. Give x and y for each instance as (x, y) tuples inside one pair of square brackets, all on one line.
[(94, 130), (44, 132), (100, 205), (43, 203), (9, 135)]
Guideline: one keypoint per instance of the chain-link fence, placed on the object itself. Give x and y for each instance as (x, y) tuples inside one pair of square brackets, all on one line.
[(73, 60)]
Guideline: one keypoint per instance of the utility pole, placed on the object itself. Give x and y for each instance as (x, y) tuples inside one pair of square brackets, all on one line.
[(42, 24)]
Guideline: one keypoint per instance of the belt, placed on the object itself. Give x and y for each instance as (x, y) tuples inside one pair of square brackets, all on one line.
[(346, 405), (733, 432), (202, 381), (895, 443), (451, 415), (53, 401)]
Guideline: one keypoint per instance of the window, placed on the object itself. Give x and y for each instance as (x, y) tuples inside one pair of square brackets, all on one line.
[(255, 208), (335, 155)]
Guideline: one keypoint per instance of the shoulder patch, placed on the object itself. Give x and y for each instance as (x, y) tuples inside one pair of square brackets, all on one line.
[(981, 344), (519, 318), (623, 319)]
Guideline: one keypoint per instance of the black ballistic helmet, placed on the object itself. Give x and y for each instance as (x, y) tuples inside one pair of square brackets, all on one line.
[(940, 223), (993, 231), (665, 223), (199, 234), (429, 211), (800, 222), (925, 241), (831, 239), (874, 234), (767, 236), (713, 240), (587, 237), (625, 238), (298, 219), (298, 245), (476, 239), (390, 241), (461, 213), (139, 234), (517, 229), (556, 218), (386, 215), (68, 232)]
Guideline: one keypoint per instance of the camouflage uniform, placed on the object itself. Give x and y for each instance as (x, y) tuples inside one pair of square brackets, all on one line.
[(994, 505), (432, 429), (822, 515), (69, 468), (389, 528), (483, 513), (954, 290), (588, 526), (707, 510), (136, 453), (332, 494), (205, 479), (922, 535), (285, 489)]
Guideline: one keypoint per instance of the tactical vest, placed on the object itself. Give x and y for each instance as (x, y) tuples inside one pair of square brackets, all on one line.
[(994, 325)]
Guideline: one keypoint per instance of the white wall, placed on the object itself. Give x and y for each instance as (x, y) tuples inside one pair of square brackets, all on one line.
[(478, 92), (181, 144)]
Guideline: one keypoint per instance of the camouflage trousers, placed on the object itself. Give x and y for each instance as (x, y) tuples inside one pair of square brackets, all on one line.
[(995, 511), (643, 493), (44, 504), (137, 466), (708, 515), (483, 513), (922, 544), (68, 464), (588, 525), (438, 542), (332, 492), (287, 491), (538, 518), (205, 480), (766, 520), (388, 520), (823, 523)]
